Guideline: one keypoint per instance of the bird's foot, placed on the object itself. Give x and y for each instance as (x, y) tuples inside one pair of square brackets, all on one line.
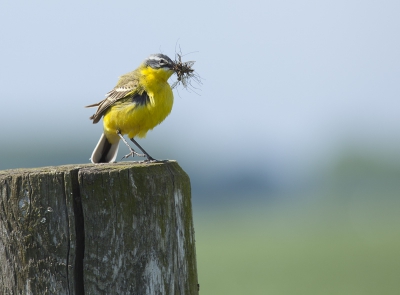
[(150, 160), (132, 154)]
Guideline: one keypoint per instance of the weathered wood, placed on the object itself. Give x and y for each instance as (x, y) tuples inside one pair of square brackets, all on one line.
[(121, 228)]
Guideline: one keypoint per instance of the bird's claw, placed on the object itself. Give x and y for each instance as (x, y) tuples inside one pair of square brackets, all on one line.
[(132, 154), (149, 160)]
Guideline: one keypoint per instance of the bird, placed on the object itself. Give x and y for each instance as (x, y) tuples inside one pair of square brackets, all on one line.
[(141, 100)]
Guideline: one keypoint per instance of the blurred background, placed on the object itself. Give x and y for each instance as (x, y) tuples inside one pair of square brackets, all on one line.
[(292, 142)]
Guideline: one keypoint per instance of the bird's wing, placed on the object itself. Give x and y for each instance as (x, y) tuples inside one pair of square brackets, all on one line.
[(111, 97)]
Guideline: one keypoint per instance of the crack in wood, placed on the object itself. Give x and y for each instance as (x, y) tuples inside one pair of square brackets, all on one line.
[(79, 234), (68, 235)]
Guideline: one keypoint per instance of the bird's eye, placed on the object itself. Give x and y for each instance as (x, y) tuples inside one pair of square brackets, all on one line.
[(163, 62)]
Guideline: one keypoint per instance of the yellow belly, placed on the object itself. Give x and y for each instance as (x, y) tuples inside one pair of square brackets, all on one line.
[(135, 120)]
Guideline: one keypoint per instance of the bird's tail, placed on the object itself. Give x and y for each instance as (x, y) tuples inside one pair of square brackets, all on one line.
[(104, 152)]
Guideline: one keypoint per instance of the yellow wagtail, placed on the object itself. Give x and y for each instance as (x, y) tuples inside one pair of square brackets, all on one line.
[(141, 100)]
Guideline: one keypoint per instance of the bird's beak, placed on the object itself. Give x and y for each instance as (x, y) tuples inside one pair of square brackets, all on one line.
[(171, 66)]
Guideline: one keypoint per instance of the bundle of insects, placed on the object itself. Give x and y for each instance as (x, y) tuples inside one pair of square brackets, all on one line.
[(185, 73)]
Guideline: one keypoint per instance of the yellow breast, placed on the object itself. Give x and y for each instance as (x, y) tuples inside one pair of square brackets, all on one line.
[(135, 120)]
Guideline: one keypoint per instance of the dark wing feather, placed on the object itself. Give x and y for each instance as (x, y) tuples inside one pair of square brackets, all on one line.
[(114, 95)]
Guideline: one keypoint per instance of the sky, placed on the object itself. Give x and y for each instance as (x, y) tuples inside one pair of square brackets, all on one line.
[(287, 86), (292, 92)]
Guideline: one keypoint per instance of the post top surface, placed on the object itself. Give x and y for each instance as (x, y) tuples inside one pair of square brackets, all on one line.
[(92, 167)]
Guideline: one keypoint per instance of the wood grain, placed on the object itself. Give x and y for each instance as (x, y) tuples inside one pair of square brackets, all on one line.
[(124, 228)]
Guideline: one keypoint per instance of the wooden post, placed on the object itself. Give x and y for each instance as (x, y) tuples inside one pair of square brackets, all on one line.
[(122, 228)]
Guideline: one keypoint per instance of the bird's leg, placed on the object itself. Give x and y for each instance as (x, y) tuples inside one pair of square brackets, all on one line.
[(149, 158), (133, 152)]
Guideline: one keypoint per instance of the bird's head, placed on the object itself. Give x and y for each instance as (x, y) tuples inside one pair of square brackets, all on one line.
[(159, 61), (159, 65)]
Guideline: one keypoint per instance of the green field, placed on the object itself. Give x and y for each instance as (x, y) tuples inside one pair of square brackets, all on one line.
[(347, 244)]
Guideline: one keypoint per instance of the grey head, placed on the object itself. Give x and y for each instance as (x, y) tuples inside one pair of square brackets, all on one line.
[(158, 61)]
